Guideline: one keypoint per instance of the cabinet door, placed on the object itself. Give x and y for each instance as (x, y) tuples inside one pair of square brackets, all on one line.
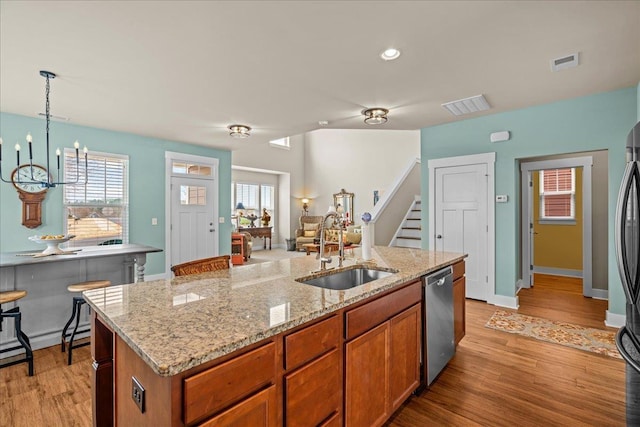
[(404, 355), (459, 322), (367, 378), (256, 411), (313, 392)]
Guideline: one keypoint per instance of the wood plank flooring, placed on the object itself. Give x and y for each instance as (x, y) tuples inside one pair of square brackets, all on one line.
[(495, 379), (500, 379)]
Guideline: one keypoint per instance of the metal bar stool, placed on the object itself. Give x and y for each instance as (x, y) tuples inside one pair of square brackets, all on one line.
[(23, 339), (78, 301)]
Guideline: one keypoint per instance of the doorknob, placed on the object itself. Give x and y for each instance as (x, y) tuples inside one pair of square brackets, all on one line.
[(439, 236)]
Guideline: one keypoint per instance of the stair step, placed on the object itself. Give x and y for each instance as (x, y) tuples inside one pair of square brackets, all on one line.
[(412, 228), (408, 243), (409, 238)]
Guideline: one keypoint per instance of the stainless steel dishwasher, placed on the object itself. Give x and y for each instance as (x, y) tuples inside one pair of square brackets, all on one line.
[(440, 339)]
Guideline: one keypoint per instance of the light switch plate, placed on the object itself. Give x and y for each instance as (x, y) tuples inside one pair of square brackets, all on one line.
[(154, 221), (221, 220), (502, 198)]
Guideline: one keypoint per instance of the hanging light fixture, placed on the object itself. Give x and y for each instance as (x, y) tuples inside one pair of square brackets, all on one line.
[(375, 116), (29, 177), (239, 131)]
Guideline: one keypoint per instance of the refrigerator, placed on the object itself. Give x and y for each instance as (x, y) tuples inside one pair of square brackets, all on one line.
[(627, 244)]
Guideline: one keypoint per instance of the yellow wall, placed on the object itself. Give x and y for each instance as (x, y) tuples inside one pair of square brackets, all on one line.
[(557, 246)]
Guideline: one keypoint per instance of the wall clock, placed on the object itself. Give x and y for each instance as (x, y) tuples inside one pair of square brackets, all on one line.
[(31, 194)]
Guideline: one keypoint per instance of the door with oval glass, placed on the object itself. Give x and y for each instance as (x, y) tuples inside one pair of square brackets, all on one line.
[(193, 227)]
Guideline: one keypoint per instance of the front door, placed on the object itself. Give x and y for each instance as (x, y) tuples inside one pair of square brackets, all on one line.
[(193, 227), (461, 221)]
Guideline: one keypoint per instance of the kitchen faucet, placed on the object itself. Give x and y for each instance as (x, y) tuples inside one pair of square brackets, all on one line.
[(327, 260)]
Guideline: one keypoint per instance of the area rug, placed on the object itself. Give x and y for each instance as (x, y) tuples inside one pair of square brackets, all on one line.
[(587, 339)]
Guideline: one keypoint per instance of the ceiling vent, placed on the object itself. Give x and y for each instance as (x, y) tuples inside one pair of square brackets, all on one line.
[(569, 61), (467, 105)]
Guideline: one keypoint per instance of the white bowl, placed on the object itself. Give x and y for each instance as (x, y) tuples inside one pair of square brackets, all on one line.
[(52, 244)]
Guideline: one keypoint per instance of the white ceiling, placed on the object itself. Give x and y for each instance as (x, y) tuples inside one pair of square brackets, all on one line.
[(185, 70)]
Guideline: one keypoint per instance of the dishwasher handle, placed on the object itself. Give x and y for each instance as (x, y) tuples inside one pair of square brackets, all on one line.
[(439, 278)]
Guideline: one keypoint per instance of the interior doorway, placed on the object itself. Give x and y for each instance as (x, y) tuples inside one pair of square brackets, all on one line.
[(594, 165)]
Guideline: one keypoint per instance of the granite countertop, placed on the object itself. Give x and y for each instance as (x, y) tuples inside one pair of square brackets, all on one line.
[(177, 324)]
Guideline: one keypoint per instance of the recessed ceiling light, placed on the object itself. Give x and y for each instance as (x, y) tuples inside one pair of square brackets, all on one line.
[(239, 131), (390, 54), (375, 116)]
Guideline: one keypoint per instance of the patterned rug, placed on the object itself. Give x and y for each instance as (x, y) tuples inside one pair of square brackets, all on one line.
[(587, 339)]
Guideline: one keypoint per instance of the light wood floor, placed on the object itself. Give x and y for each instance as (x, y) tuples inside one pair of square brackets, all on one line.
[(500, 379), (495, 379)]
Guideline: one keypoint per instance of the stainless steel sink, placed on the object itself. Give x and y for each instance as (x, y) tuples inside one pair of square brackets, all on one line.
[(346, 279)]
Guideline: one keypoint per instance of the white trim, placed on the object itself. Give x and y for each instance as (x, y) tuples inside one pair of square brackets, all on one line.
[(393, 189), (526, 168), (489, 159), (504, 301), (600, 294), (171, 156), (394, 239), (614, 320), (557, 271)]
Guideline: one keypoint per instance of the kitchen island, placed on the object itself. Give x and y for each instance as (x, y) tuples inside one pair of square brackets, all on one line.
[(253, 345), (48, 303)]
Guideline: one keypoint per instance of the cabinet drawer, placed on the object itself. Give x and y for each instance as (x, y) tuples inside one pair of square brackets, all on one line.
[(458, 270), (216, 388), (258, 410), (312, 341), (367, 316)]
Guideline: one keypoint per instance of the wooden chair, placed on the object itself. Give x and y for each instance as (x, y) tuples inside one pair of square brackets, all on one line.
[(202, 265)]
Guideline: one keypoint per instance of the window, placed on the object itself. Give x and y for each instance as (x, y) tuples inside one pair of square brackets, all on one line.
[(557, 194), (96, 212), (255, 198), (280, 143)]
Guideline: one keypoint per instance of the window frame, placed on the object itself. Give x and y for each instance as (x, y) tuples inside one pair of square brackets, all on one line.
[(124, 205), (560, 220), (260, 203)]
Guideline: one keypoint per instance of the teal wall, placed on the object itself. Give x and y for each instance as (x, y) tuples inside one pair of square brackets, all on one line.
[(146, 182), (588, 123)]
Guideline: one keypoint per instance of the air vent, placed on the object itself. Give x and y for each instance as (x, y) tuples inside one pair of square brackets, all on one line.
[(569, 61), (467, 105)]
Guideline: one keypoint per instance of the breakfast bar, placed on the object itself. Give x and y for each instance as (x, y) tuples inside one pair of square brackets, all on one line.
[(254, 346), (45, 278)]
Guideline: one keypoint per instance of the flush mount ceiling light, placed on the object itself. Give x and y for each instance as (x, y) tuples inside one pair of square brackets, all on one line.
[(467, 105), (239, 131), (375, 116), (390, 54)]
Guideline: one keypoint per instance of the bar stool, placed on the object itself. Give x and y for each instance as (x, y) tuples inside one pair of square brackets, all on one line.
[(78, 301), (23, 339)]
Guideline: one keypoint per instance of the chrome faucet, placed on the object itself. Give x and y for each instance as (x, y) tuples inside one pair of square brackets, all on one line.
[(327, 260)]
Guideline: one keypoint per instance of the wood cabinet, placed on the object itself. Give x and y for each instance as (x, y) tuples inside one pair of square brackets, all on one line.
[(313, 382), (382, 365), (259, 410), (237, 249), (459, 301)]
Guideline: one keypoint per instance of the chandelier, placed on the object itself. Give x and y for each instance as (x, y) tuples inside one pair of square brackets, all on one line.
[(29, 178)]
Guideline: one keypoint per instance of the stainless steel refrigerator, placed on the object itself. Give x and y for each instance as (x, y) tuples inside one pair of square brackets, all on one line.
[(627, 241)]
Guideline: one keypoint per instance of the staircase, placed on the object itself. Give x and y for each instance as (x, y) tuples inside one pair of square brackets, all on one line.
[(409, 233)]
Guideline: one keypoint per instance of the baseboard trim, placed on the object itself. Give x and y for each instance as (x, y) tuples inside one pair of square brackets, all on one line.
[(558, 271), (504, 301), (614, 320), (600, 294)]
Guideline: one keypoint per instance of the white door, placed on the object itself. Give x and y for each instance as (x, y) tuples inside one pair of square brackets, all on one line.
[(193, 226), (461, 221)]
